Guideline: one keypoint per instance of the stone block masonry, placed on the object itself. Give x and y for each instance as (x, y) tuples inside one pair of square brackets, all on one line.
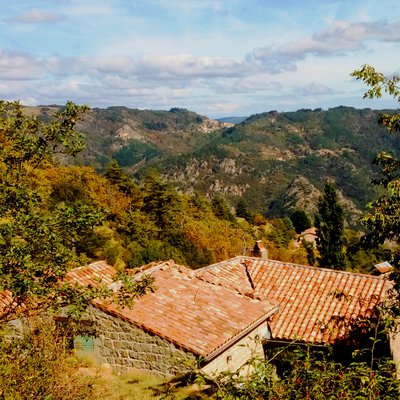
[(233, 358), (125, 346)]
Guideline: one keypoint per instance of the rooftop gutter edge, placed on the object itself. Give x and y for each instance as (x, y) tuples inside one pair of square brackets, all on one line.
[(240, 335)]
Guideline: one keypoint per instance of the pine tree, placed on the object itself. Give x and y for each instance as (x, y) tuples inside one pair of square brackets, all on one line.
[(116, 176), (221, 209), (330, 229), (242, 211)]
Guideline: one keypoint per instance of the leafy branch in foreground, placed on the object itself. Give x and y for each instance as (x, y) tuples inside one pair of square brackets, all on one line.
[(39, 243), (379, 84), (383, 223)]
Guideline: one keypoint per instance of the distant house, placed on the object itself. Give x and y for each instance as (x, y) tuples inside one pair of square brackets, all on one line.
[(309, 235), (219, 316)]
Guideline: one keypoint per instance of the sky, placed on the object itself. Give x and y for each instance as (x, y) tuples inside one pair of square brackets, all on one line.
[(216, 57)]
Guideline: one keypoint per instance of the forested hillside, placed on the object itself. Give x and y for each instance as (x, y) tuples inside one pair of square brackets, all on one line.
[(274, 161), (131, 216), (279, 161), (57, 215)]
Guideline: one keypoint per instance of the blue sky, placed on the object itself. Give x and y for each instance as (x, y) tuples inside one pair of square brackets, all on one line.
[(215, 57)]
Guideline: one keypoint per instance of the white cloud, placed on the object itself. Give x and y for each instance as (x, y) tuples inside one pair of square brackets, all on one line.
[(167, 66), (37, 17), (338, 39), (257, 82), (315, 89), (159, 53), (355, 32), (223, 107), (19, 66)]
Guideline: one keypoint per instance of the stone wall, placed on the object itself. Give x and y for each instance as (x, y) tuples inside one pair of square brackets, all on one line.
[(237, 355), (124, 346), (15, 328), (395, 349)]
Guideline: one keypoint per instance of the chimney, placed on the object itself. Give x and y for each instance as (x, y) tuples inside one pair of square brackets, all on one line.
[(260, 251)]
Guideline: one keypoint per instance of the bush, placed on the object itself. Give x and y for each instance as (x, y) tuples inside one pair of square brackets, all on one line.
[(305, 374), (40, 366)]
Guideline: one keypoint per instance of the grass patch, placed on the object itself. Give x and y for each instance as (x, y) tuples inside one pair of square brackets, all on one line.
[(138, 386)]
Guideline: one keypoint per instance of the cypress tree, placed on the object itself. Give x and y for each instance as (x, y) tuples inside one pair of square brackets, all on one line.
[(330, 229)]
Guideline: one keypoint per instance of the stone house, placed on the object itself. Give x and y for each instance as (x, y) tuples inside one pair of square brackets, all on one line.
[(219, 316), (187, 321)]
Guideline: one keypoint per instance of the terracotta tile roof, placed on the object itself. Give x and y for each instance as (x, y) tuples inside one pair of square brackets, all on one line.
[(309, 297), (5, 303), (191, 312), (384, 267), (94, 274), (231, 276), (210, 308)]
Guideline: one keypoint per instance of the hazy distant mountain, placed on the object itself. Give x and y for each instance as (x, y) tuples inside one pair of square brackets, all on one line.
[(232, 120), (275, 161)]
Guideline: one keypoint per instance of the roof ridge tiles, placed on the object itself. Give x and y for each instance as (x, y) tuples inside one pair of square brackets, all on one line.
[(152, 267), (91, 266), (253, 294), (309, 267)]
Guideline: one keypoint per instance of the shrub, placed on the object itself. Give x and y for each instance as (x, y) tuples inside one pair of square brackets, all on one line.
[(39, 365), (306, 374)]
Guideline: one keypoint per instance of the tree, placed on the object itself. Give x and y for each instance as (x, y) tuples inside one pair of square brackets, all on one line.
[(380, 84), (39, 244), (300, 220), (242, 211), (330, 229), (40, 241), (116, 176), (298, 373), (162, 203), (221, 209), (309, 248), (383, 222)]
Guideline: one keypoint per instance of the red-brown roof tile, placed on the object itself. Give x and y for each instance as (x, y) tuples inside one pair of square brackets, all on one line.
[(92, 275), (309, 298), (5, 303), (194, 313)]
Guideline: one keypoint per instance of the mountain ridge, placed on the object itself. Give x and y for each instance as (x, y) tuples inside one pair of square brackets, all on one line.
[(275, 161)]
